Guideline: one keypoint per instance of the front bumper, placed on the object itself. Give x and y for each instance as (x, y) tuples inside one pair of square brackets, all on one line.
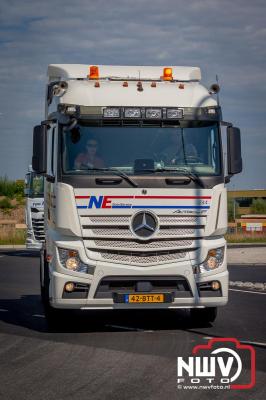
[(184, 270), (32, 244)]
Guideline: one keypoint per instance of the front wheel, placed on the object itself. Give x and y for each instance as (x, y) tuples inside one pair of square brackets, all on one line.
[(203, 315)]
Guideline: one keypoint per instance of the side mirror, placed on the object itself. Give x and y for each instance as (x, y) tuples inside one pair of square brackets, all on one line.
[(234, 158), (39, 149)]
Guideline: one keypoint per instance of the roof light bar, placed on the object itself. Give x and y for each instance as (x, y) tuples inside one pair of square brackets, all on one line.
[(145, 113), (111, 112), (153, 113), (66, 109), (174, 113), (132, 112)]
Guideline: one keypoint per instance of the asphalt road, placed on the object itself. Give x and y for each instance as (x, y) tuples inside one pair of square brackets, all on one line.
[(113, 355)]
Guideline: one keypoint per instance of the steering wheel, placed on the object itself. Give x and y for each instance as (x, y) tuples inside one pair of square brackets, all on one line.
[(194, 159)]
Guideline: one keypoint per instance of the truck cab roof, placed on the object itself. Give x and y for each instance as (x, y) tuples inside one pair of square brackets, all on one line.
[(81, 71), (119, 86)]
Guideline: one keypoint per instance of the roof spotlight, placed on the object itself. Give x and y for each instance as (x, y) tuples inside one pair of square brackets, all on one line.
[(60, 88), (214, 89)]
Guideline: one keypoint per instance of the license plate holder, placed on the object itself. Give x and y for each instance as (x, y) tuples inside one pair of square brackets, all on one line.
[(124, 298)]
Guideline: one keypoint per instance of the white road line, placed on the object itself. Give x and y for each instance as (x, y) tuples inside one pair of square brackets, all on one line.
[(241, 341), (246, 291), (38, 315), (3, 310), (253, 343), (2, 256)]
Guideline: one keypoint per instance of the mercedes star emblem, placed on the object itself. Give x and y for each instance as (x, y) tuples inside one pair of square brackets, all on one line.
[(144, 224)]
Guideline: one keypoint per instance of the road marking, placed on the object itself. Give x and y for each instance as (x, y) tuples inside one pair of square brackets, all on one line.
[(248, 285), (246, 291), (2, 256), (38, 315), (3, 310), (242, 341), (253, 343)]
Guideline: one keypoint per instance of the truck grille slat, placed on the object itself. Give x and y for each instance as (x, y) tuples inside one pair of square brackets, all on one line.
[(116, 220), (108, 237), (135, 258), (134, 244), (38, 229), (125, 232)]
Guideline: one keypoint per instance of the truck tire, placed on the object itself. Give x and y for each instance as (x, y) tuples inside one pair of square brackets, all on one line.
[(203, 315)]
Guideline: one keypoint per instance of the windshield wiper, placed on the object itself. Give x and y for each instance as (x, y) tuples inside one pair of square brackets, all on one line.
[(192, 175), (117, 172)]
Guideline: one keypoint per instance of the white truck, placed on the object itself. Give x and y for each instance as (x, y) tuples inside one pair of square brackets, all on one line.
[(135, 198), (34, 209)]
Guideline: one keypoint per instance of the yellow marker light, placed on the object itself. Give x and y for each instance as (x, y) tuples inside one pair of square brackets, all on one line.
[(94, 72), (212, 253), (49, 258), (72, 253), (69, 287), (72, 264), (167, 74)]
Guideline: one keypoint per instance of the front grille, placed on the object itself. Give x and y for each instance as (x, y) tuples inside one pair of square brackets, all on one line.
[(135, 244), (136, 258), (109, 219), (109, 237), (124, 231), (38, 229), (164, 219)]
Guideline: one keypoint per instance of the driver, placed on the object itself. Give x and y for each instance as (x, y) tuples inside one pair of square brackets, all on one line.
[(89, 157), (178, 151)]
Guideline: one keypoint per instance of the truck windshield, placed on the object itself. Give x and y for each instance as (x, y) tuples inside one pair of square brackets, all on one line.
[(87, 149), (34, 183)]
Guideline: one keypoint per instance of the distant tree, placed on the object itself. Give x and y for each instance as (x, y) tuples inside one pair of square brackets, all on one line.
[(230, 209), (5, 205), (258, 206), (10, 188)]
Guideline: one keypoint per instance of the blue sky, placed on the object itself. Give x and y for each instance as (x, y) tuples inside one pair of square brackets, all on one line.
[(223, 37)]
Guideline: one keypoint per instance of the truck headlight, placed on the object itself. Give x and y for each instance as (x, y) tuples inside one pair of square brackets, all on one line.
[(70, 260), (213, 260)]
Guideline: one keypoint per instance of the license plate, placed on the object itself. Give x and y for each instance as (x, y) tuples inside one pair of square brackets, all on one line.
[(144, 298)]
